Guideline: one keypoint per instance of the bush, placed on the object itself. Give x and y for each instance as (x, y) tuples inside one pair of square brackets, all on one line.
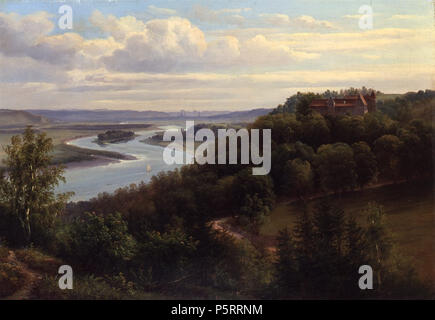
[(11, 279), (99, 243), (90, 287), (39, 261)]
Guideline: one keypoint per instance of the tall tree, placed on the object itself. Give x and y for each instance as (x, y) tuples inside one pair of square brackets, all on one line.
[(387, 154), (336, 166), (28, 188), (365, 160), (299, 176)]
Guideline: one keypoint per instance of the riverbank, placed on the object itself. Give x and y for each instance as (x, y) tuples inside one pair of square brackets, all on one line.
[(73, 156)]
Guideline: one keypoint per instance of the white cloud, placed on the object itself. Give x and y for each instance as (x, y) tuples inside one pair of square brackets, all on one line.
[(234, 10), (172, 64), (160, 46), (304, 21), (352, 16), (223, 16), (310, 22), (119, 28), (406, 17), (161, 11), (260, 50), (175, 45)]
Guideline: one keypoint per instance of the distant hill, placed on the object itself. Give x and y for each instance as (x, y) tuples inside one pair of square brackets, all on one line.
[(117, 116), (241, 115), (18, 118), (100, 115)]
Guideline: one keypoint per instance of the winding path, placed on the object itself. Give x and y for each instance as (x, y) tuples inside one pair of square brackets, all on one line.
[(31, 279)]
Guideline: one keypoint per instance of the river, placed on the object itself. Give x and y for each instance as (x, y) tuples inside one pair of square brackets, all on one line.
[(88, 181)]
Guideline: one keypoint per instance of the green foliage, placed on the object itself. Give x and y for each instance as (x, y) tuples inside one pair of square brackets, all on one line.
[(314, 130), (322, 256), (413, 105), (365, 163), (159, 250), (299, 176), (387, 154), (99, 243), (90, 287), (11, 279), (253, 197), (27, 191), (39, 261), (114, 136), (336, 167), (303, 104)]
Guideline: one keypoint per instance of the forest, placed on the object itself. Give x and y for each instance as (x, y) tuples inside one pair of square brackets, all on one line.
[(159, 240)]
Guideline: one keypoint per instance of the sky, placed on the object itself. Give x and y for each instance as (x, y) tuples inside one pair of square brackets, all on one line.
[(169, 55)]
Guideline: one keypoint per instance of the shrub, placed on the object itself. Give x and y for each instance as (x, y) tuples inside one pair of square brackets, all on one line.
[(99, 242), (39, 261), (11, 279)]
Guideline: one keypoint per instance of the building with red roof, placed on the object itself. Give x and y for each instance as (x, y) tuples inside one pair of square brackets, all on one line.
[(351, 105)]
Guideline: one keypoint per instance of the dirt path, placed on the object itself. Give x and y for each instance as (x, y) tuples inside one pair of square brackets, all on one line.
[(31, 279), (224, 225)]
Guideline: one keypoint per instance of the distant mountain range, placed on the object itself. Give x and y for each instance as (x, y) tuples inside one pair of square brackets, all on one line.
[(19, 118), (118, 116)]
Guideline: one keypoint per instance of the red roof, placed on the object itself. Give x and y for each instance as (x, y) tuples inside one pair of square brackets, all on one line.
[(345, 102)]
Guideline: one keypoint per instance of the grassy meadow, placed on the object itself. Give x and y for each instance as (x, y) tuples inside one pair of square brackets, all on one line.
[(409, 212)]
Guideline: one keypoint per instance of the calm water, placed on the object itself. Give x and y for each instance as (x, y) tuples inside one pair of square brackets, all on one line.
[(89, 182)]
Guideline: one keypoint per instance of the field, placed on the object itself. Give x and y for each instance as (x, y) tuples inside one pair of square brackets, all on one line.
[(410, 216)]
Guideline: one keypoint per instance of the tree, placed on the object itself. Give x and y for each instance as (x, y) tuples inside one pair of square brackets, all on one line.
[(336, 167), (314, 130), (299, 176), (100, 243), (28, 188), (347, 129), (365, 161), (247, 184), (378, 240), (160, 250), (322, 256), (287, 265), (303, 104), (411, 152), (387, 155), (255, 210)]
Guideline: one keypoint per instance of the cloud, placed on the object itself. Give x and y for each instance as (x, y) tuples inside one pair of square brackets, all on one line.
[(402, 17), (304, 21), (223, 16), (161, 11), (160, 46), (352, 16), (105, 89), (234, 10), (310, 22), (223, 51), (119, 28), (19, 34), (260, 50), (388, 39), (25, 69), (171, 63), (176, 45), (30, 36)]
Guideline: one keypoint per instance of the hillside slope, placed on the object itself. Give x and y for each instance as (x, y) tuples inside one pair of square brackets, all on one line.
[(18, 118)]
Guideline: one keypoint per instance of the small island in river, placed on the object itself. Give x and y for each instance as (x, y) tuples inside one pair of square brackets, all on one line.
[(115, 136)]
